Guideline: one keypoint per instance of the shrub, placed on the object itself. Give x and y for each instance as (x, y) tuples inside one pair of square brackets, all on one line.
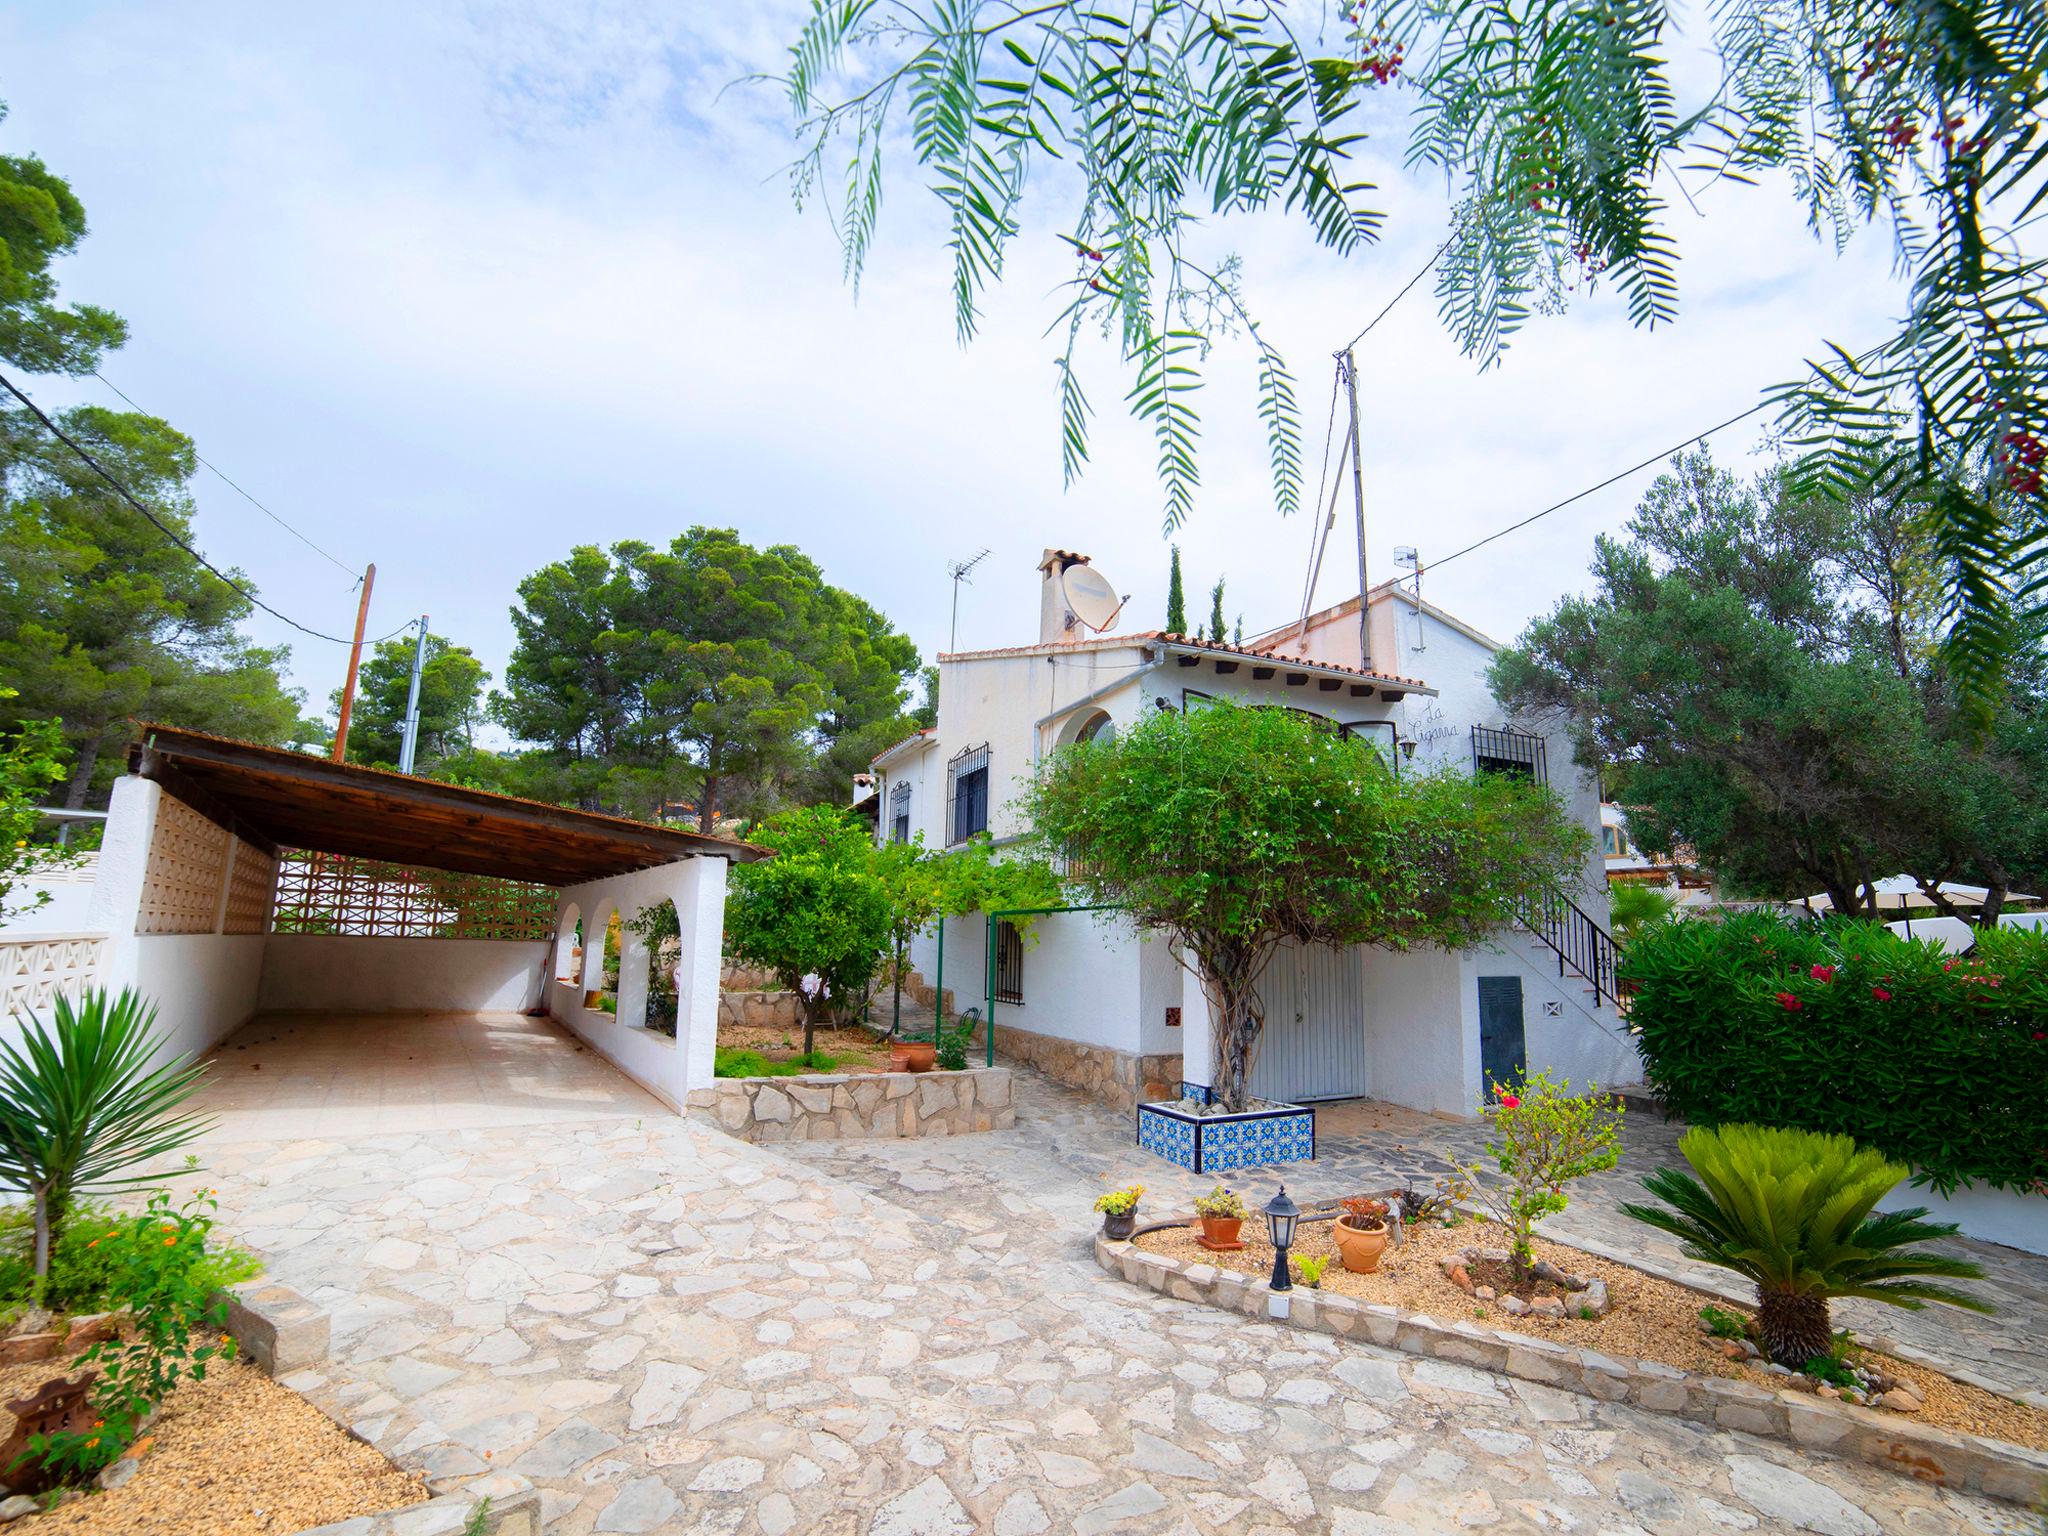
[(81, 1107), (82, 1274), (1310, 1267), (159, 1273), (1118, 1201), (1545, 1137), (1722, 1323), (1846, 1028), (1791, 1211)]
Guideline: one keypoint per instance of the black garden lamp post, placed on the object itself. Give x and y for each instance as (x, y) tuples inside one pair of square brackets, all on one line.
[(1281, 1215)]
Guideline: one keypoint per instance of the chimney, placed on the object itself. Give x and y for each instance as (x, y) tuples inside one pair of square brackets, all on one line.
[(1056, 622)]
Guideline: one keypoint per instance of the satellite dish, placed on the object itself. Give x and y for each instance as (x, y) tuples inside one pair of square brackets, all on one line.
[(1093, 600)]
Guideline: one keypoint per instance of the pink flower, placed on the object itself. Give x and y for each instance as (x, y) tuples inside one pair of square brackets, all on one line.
[(1790, 1001), (2039, 1034), (1880, 994), (1509, 1101), (1822, 973)]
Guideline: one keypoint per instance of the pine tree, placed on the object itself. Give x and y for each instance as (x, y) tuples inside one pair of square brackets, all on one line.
[(1216, 625), (1176, 598)]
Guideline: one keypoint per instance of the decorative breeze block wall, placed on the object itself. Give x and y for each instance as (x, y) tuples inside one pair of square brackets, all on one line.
[(334, 894), (252, 886), (181, 884), (34, 970)]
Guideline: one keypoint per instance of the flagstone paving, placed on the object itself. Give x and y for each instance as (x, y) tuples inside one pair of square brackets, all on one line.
[(1362, 1146), (668, 1330)]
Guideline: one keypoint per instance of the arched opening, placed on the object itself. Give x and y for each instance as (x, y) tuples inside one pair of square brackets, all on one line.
[(569, 948), (601, 961), (1085, 725), (660, 932)]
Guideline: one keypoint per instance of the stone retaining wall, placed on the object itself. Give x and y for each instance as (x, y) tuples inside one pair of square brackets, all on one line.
[(841, 1107), (776, 1010), (1968, 1462), (1117, 1078)]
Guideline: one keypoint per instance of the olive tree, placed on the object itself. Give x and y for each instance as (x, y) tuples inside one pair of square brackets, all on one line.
[(1235, 829)]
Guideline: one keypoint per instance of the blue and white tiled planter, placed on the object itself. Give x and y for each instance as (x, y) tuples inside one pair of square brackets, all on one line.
[(1274, 1133)]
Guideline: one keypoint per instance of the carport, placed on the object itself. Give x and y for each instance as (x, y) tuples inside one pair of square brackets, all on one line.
[(378, 928)]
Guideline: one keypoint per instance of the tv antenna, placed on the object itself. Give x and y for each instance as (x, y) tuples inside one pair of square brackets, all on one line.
[(1406, 557), (959, 571)]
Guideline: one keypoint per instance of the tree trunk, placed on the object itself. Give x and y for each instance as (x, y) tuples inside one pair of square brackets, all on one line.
[(1236, 1023), (1793, 1328), (707, 806), (813, 1006), (42, 1218), (81, 772)]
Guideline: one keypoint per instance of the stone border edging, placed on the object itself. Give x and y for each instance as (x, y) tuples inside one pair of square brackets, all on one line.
[(282, 1332), (1972, 1463), (514, 1511)]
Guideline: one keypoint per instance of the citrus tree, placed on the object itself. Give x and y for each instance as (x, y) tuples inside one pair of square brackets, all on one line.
[(1234, 830), (816, 914), (1561, 129)]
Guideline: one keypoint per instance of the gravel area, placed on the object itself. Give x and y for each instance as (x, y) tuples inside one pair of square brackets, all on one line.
[(233, 1455), (1652, 1319)]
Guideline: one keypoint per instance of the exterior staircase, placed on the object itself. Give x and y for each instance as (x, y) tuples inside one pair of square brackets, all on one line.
[(1582, 946)]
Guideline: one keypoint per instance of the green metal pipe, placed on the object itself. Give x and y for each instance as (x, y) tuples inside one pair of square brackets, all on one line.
[(939, 987)]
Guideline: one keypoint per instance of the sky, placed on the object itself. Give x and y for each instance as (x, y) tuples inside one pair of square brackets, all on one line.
[(455, 288)]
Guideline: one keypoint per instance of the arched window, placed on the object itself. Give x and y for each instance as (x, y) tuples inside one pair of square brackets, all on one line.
[(659, 932), (600, 959), (569, 948)]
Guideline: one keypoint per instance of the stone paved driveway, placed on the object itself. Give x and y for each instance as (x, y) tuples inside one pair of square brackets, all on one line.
[(671, 1331)]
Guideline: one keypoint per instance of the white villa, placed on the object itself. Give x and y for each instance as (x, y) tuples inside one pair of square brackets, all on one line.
[(1100, 1007)]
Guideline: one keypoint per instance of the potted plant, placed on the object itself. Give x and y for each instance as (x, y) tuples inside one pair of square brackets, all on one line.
[(1119, 1211), (1361, 1233), (1222, 1213), (912, 1055)]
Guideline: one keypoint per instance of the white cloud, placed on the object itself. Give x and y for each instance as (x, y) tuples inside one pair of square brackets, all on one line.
[(454, 292)]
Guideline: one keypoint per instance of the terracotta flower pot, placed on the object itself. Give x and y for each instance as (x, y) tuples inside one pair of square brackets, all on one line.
[(1117, 1228), (1359, 1249), (913, 1056), (1219, 1233)]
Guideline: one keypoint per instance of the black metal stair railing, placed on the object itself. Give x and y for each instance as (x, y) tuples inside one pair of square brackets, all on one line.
[(1580, 944)]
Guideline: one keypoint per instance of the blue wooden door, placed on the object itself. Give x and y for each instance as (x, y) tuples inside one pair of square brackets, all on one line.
[(1503, 1053)]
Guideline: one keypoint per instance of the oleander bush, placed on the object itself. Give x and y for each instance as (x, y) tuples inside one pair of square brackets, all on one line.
[(1840, 1026)]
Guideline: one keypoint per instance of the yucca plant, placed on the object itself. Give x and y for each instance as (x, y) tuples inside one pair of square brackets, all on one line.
[(1791, 1211), (81, 1107)]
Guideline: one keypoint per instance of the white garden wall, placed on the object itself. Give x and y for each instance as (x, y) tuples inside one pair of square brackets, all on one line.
[(329, 973), (667, 1067), (1989, 1215)]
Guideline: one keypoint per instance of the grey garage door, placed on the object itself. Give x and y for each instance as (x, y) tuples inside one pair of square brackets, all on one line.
[(1314, 1044)]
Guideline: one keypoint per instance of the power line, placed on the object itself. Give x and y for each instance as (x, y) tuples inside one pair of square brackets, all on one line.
[(1654, 458), (161, 527), (1421, 273), (223, 474)]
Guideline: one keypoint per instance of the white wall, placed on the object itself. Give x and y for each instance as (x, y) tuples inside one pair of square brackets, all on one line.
[(70, 891), (667, 1067), (305, 972), (1422, 1032), (1591, 1046), (1989, 1215), (204, 985)]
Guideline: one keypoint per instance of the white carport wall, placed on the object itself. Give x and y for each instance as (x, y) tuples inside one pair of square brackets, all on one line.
[(668, 1068)]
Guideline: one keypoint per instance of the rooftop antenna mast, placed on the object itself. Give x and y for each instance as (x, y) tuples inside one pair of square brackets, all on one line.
[(1347, 366), (959, 571), (1406, 556)]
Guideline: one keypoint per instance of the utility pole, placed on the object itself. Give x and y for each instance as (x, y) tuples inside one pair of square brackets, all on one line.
[(355, 660), (1349, 368), (409, 743), (958, 570)]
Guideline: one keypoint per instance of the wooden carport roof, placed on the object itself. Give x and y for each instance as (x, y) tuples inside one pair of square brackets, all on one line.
[(281, 799)]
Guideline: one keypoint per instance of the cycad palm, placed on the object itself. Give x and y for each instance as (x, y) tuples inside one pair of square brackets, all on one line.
[(1792, 1211)]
